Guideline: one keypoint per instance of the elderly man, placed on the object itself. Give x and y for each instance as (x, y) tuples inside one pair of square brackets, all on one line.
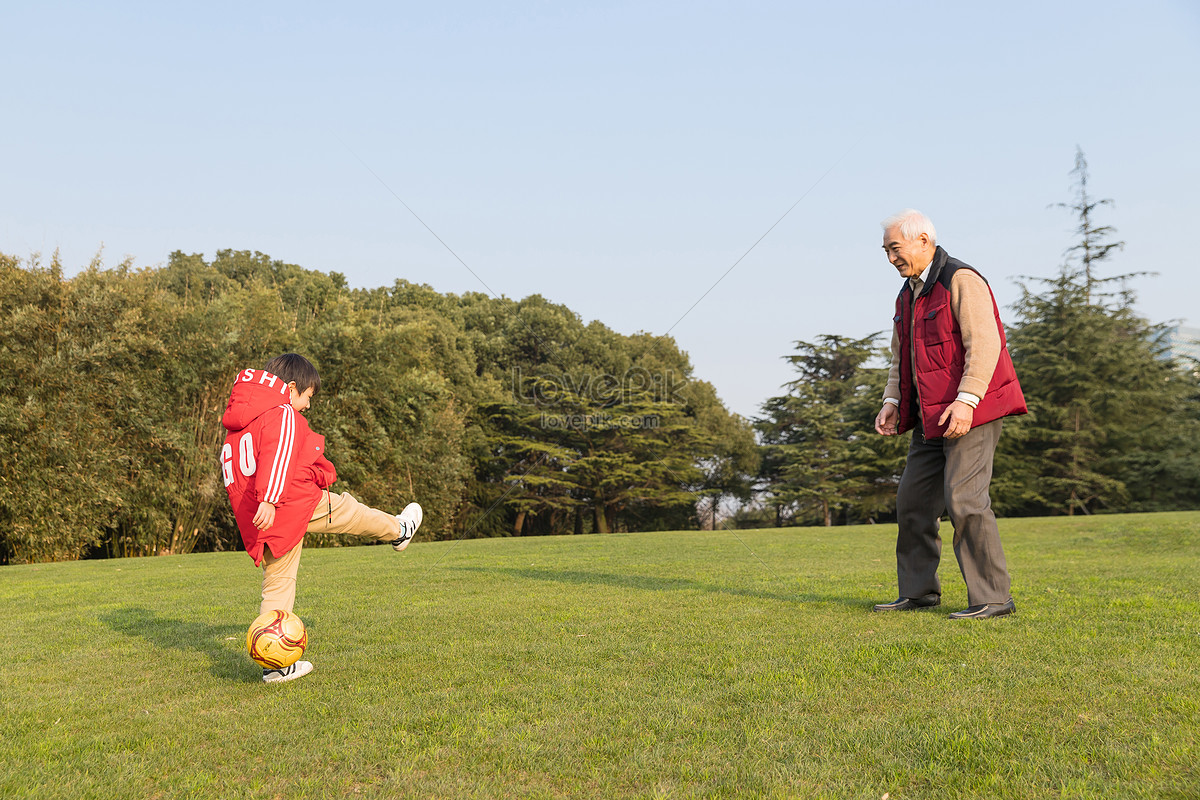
[(951, 383)]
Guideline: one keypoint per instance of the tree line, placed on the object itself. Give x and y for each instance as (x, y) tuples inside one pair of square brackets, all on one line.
[(501, 417), (510, 418)]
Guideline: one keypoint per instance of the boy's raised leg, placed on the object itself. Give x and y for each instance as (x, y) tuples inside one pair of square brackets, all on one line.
[(410, 519), (342, 513)]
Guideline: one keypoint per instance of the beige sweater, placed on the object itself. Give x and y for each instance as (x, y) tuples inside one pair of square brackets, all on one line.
[(971, 304)]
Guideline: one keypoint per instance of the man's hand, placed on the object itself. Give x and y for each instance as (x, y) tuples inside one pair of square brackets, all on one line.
[(264, 517), (886, 420), (960, 415)]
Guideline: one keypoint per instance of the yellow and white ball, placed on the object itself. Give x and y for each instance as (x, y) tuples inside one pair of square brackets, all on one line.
[(276, 639)]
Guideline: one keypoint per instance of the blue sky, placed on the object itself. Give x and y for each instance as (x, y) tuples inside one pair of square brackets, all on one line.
[(614, 157)]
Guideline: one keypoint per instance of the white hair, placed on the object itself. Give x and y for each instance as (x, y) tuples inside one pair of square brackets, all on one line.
[(912, 224)]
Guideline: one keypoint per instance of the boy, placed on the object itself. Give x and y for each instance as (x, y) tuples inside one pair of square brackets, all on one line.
[(278, 480)]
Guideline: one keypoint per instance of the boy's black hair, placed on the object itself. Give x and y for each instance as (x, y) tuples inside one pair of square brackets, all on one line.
[(292, 367)]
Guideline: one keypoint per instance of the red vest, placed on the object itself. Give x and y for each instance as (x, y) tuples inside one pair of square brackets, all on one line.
[(940, 355)]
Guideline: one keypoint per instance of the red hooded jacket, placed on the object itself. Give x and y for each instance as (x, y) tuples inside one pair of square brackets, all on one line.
[(271, 455)]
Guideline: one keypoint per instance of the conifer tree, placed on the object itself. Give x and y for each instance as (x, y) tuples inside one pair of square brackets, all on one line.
[(821, 458), (1101, 392)]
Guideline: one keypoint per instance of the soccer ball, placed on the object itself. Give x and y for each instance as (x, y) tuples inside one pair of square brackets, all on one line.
[(276, 639)]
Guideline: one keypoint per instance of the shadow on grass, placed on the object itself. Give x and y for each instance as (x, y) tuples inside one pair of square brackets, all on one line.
[(660, 584), (189, 637)]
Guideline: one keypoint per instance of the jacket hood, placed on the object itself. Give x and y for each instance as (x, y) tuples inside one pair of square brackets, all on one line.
[(254, 393)]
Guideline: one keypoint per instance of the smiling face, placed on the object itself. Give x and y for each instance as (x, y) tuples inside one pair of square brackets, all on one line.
[(910, 257)]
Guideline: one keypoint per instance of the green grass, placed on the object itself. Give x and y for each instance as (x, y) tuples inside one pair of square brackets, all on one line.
[(644, 665)]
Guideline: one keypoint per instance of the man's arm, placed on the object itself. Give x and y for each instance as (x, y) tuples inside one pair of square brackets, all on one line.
[(892, 390), (888, 418), (971, 304)]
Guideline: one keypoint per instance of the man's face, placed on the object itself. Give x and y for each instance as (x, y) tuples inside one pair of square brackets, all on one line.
[(910, 257)]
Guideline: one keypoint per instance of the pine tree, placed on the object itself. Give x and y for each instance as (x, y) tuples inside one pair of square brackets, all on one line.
[(1101, 392), (1093, 246), (821, 458)]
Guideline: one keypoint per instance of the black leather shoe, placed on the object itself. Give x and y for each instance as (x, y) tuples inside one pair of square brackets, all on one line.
[(986, 610), (910, 603)]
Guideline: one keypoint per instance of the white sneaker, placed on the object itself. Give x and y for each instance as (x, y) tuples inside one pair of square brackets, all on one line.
[(410, 519), (297, 670)]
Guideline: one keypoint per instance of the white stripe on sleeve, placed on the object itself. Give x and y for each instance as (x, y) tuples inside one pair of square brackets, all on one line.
[(283, 456)]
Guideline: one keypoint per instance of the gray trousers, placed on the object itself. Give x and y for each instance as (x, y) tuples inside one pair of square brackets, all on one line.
[(951, 475)]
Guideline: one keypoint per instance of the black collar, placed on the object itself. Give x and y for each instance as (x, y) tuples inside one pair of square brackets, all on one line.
[(940, 257)]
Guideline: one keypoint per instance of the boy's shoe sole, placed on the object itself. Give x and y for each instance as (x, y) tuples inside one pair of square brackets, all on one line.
[(297, 670), (410, 519)]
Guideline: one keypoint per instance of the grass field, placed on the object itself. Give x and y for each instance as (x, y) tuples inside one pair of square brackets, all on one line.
[(643, 665)]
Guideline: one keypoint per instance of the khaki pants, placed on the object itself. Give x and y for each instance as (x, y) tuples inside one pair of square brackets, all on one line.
[(335, 513)]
